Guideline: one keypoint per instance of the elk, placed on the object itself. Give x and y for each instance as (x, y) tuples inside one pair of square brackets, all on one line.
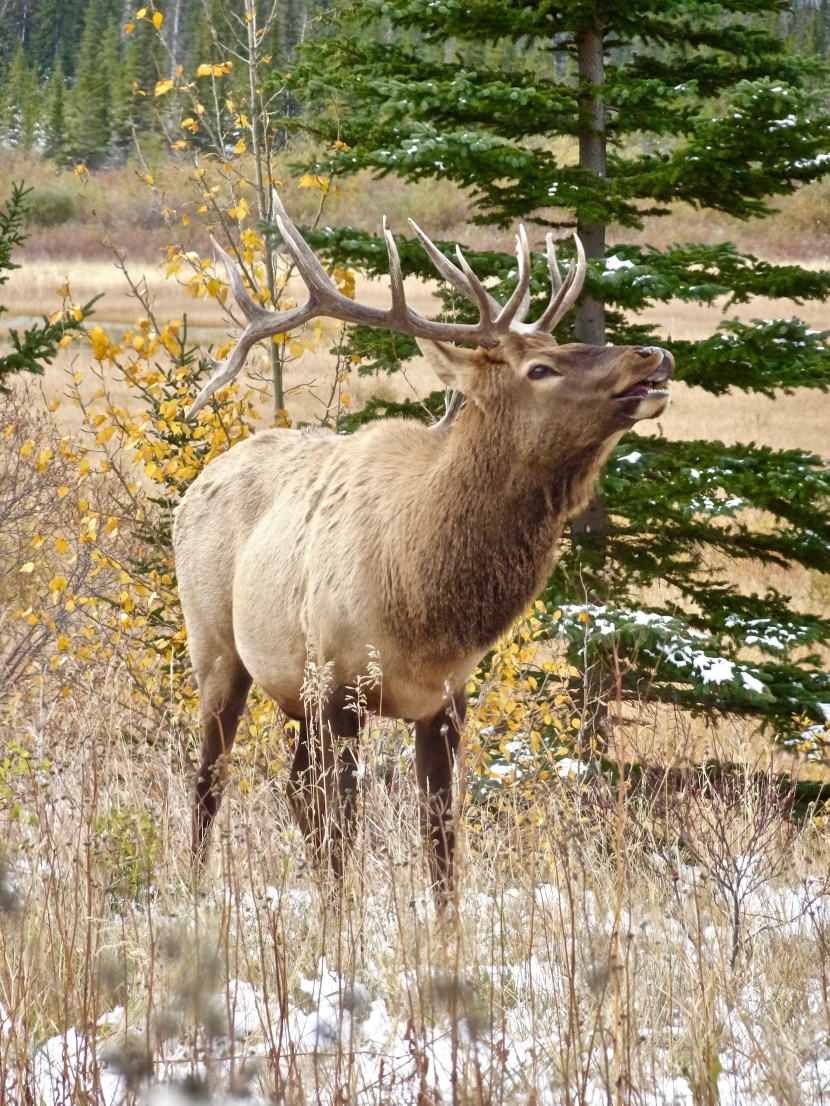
[(412, 546)]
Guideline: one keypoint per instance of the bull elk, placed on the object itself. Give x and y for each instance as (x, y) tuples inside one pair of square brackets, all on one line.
[(412, 546)]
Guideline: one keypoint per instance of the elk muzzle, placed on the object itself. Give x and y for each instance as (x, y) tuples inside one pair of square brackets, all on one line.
[(644, 399)]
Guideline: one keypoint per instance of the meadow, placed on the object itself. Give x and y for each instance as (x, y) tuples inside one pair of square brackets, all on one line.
[(652, 937)]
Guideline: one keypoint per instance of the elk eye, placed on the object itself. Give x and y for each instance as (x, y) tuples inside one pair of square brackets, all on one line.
[(540, 371)]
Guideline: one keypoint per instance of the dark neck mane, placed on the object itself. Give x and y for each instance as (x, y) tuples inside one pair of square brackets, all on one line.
[(489, 531)]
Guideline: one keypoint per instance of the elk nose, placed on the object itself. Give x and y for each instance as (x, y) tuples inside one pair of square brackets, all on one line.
[(666, 366)]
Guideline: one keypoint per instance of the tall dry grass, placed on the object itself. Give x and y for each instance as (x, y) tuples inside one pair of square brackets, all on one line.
[(607, 944)]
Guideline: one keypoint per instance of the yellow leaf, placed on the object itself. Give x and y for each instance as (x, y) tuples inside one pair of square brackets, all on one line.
[(37, 541), (62, 491), (129, 28), (80, 170), (64, 342), (83, 467), (158, 19), (62, 544), (58, 583), (63, 642), (309, 180), (141, 13), (28, 567), (240, 147), (204, 70), (63, 291), (240, 211), (162, 86), (27, 448), (100, 343)]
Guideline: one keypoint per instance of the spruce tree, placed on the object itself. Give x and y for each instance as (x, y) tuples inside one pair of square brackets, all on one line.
[(661, 102), (19, 106), (88, 109), (54, 116), (38, 344), (118, 97)]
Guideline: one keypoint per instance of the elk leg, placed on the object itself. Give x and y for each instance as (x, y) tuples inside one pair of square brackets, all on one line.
[(224, 689), (323, 783), (436, 742)]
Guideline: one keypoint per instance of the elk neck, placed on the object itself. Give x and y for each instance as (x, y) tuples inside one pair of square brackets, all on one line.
[(488, 526)]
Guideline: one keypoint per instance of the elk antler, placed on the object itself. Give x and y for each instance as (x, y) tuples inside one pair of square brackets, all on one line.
[(324, 299)]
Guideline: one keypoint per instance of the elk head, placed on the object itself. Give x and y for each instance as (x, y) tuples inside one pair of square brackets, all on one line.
[(516, 367)]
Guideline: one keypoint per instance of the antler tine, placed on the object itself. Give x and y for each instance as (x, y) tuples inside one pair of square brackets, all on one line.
[(261, 324), (241, 294), (564, 298), (516, 307), (452, 274), (481, 296), (553, 264), (399, 305), (264, 325), (315, 276), (223, 373), (452, 412)]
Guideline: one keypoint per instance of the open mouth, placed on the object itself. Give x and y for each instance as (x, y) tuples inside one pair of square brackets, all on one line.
[(643, 388), (658, 375)]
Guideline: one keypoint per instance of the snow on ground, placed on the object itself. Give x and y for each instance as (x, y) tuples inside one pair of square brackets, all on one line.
[(391, 1057)]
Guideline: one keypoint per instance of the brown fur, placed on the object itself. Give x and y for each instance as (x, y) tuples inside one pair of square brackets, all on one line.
[(422, 545)]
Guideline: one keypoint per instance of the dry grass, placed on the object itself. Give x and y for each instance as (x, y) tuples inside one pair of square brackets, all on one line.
[(118, 204), (604, 947)]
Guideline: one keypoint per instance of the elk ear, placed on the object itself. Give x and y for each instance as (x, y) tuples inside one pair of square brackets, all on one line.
[(453, 364)]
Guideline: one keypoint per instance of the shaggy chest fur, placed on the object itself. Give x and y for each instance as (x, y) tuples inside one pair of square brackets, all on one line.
[(460, 564)]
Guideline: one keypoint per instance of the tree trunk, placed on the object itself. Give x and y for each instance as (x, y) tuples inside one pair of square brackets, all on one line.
[(590, 313), (175, 29), (589, 529)]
